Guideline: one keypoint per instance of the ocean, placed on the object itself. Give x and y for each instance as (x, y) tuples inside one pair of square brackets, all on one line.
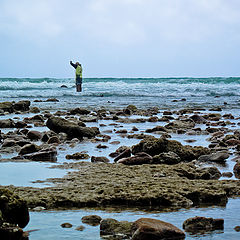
[(164, 93)]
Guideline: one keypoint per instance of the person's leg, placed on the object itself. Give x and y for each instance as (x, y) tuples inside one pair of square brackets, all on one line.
[(79, 89)]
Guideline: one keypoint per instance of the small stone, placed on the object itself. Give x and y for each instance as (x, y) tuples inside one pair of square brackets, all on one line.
[(80, 228), (66, 225), (237, 228)]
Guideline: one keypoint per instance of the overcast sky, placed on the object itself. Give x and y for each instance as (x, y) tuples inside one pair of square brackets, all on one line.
[(120, 38)]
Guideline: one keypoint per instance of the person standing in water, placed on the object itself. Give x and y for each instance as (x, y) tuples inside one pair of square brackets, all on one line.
[(78, 73)]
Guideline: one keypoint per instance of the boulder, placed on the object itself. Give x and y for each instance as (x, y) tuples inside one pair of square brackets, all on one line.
[(147, 228), (198, 119), (53, 139), (93, 220), (166, 158), (99, 159), (21, 106), (137, 159), (201, 224), (49, 155), (8, 143), (34, 110), (29, 148), (124, 154), (6, 107), (156, 129), (34, 135), (20, 124), (181, 124), (7, 123), (52, 100), (81, 111), (13, 209), (73, 130), (214, 157), (78, 156), (113, 227), (118, 151)]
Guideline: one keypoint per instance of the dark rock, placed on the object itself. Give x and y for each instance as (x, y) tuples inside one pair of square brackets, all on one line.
[(49, 155), (53, 139), (81, 111), (166, 158), (118, 151), (99, 159), (34, 110), (21, 106), (64, 86), (137, 159), (34, 135), (20, 124), (6, 107), (198, 119), (181, 124), (153, 119), (113, 227), (78, 156), (7, 123), (236, 170), (52, 100), (80, 228), (45, 137), (101, 146), (66, 225), (29, 148), (214, 157), (157, 129), (200, 224), (58, 125), (92, 220), (237, 228), (8, 143), (39, 118), (124, 154), (13, 209), (147, 228), (227, 174)]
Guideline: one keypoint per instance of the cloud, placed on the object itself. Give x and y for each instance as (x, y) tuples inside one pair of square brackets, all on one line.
[(120, 22)]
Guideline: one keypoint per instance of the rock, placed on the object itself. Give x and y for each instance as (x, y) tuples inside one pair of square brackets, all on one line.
[(9, 232), (113, 227), (20, 124), (53, 139), (101, 146), (80, 111), (78, 156), (6, 107), (66, 225), (21, 106), (198, 119), (14, 210), (153, 119), (227, 174), (8, 143), (214, 157), (52, 100), (64, 86), (49, 155), (29, 148), (38, 118), (181, 124), (154, 146), (166, 158), (200, 224), (72, 129), (88, 119), (99, 159), (34, 110), (122, 131), (7, 123), (34, 135), (93, 220), (132, 108), (38, 209), (138, 159), (236, 170), (156, 129), (147, 228), (80, 228), (237, 228), (118, 151), (124, 154)]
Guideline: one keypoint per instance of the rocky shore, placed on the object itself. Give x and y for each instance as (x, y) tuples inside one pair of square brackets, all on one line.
[(155, 173)]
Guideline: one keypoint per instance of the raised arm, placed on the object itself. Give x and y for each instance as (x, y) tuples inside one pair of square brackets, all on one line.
[(73, 64)]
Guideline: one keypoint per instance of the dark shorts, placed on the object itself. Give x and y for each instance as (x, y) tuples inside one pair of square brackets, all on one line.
[(78, 80)]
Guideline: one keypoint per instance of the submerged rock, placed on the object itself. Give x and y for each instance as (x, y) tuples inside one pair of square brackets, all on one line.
[(148, 228), (93, 220)]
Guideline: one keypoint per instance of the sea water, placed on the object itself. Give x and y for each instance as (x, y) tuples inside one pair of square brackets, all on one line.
[(164, 93)]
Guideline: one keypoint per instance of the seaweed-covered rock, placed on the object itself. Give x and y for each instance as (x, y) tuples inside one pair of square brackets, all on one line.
[(49, 155), (181, 124), (78, 156), (148, 228), (6, 107), (21, 106), (137, 159), (113, 227), (7, 123), (13, 209), (92, 220), (72, 129), (166, 158), (99, 159), (34, 135), (155, 146), (200, 224)]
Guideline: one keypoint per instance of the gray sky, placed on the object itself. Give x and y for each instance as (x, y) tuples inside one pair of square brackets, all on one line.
[(120, 38)]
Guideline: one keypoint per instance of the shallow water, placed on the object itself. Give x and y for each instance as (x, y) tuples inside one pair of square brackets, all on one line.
[(49, 222)]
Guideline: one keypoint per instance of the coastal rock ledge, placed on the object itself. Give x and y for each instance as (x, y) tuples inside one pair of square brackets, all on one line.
[(154, 186)]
